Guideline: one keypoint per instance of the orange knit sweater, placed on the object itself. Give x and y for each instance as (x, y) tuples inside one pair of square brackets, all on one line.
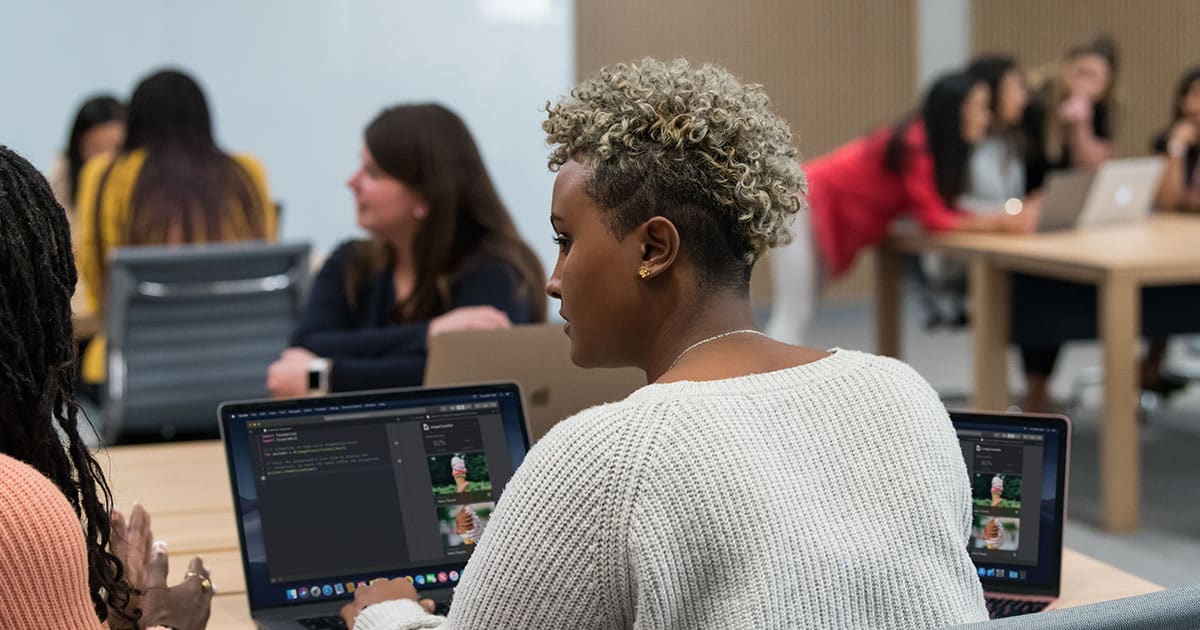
[(43, 556)]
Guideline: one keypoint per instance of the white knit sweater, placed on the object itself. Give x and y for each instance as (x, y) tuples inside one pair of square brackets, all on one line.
[(830, 495)]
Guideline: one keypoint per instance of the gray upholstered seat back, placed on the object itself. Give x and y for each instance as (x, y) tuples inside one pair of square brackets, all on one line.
[(1175, 609), (192, 326)]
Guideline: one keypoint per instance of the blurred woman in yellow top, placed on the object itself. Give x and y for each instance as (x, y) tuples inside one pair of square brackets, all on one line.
[(169, 184)]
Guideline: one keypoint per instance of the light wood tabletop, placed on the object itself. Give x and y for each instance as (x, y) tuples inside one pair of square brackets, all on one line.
[(1118, 260), (186, 489)]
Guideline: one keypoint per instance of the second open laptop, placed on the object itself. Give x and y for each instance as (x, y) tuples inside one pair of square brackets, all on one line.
[(538, 358), (1017, 465), (1120, 191), (331, 493)]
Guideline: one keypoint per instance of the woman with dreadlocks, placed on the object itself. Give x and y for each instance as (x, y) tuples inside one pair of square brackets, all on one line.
[(63, 560)]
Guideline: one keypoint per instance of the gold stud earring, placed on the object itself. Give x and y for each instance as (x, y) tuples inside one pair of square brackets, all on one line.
[(644, 271)]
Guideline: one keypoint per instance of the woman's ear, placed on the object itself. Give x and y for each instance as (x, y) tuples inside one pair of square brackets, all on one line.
[(660, 245)]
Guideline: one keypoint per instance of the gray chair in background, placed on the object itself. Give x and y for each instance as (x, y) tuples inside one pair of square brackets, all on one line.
[(192, 326), (1176, 609)]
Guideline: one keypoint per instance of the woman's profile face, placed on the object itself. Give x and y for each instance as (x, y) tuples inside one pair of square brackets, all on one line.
[(384, 206), (976, 114), (1012, 98), (595, 277), (1189, 105), (101, 139), (1087, 75)]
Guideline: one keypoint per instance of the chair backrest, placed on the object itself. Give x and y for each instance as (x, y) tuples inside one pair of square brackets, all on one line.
[(1175, 609), (192, 326)]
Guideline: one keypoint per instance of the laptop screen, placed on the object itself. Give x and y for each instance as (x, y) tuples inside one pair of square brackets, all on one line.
[(1017, 464), (334, 492)]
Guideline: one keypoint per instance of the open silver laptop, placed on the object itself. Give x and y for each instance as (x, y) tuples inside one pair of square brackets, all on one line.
[(331, 493), (538, 358), (1018, 467), (1120, 191)]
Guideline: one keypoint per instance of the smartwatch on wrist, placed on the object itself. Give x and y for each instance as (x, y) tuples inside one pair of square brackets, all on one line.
[(318, 376)]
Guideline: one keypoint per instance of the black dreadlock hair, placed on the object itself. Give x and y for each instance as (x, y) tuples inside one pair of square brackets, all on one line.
[(39, 418)]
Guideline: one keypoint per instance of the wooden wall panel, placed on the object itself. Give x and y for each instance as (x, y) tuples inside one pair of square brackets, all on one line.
[(834, 69), (1157, 39)]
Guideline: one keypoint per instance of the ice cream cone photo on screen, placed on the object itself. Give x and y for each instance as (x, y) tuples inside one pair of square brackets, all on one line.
[(458, 470), (467, 525), (997, 489), (993, 534)]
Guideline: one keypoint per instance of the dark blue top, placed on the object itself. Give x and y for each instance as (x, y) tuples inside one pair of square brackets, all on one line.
[(370, 350)]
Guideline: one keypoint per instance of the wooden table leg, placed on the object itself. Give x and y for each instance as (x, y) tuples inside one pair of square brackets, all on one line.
[(1119, 307), (888, 265), (990, 315)]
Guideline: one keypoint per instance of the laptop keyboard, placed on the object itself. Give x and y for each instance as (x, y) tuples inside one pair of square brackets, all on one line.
[(336, 623), (999, 607), (323, 623)]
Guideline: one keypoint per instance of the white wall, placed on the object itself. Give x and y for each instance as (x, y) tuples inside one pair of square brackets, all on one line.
[(296, 81), (943, 37)]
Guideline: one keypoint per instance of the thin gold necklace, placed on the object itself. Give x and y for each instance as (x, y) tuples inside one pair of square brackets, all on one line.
[(688, 349)]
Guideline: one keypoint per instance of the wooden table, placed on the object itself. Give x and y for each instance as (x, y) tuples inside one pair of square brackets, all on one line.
[(1118, 260), (186, 489)]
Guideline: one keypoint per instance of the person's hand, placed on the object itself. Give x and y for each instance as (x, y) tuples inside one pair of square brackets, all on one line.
[(1183, 132), (131, 542), (1030, 216), (184, 606), (469, 318), (288, 377), (1023, 222), (381, 590), (1076, 109)]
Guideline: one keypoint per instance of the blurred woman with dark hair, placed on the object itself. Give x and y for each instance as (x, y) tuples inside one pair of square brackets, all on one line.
[(997, 166), (99, 129), (443, 255), (855, 192), (169, 184), (1180, 145)]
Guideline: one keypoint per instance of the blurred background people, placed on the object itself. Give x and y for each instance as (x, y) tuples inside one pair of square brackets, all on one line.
[(918, 165)]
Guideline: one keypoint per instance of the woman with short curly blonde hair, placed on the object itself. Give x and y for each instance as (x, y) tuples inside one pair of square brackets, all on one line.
[(717, 495)]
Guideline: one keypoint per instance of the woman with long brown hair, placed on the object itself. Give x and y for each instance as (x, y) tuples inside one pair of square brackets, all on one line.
[(443, 255), (169, 184)]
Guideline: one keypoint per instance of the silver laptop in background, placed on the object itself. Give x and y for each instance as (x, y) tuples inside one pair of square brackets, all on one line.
[(1064, 194), (1120, 191), (538, 358)]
